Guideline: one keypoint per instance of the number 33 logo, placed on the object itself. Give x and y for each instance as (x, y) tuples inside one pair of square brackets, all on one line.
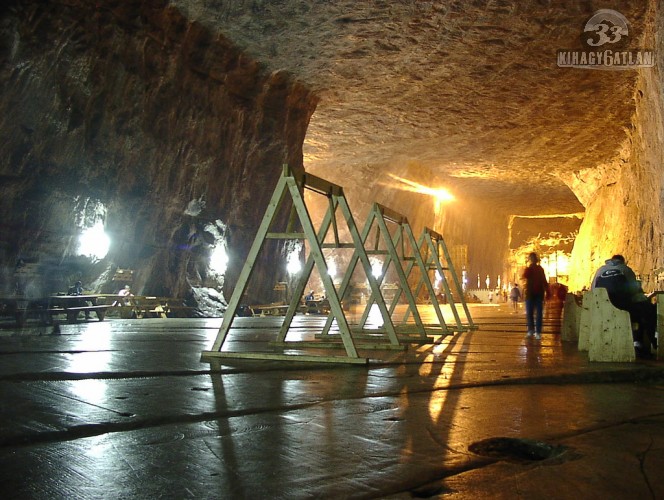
[(606, 34), (607, 26)]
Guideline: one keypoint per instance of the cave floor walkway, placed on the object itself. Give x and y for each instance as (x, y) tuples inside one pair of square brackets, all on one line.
[(127, 409)]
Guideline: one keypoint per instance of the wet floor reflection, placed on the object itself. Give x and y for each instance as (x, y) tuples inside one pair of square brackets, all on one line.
[(137, 427), (419, 413)]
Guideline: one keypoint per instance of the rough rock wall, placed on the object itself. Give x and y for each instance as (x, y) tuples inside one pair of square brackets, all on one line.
[(130, 106), (623, 199)]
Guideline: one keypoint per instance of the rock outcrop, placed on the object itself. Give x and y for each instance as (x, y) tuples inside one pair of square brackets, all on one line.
[(623, 199), (131, 113)]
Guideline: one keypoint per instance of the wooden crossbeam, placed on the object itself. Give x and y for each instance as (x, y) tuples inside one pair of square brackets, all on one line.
[(380, 215), (321, 186), (285, 236), (391, 215), (438, 249), (291, 185)]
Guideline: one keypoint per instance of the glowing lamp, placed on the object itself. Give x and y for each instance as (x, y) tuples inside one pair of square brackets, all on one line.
[(293, 266), (219, 260), (94, 242)]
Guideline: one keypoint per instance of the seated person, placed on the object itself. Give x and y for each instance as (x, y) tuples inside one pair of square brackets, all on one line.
[(125, 293), (77, 289), (625, 293)]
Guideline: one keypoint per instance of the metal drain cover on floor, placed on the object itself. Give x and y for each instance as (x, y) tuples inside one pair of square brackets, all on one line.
[(517, 449)]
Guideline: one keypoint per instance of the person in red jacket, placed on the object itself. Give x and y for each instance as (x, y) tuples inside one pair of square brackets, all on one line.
[(536, 289)]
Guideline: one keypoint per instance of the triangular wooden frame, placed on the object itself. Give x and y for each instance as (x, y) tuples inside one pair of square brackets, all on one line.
[(438, 258), (380, 216), (289, 184), (434, 248), (384, 338)]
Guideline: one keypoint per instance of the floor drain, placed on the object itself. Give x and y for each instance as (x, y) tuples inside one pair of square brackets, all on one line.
[(516, 449)]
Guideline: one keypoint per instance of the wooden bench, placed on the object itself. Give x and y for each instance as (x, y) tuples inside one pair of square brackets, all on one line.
[(604, 330), (73, 305), (146, 306), (73, 312), (102, 305), (659, 297), (572, 308), (21, 308), (321, 306), (276, 309)]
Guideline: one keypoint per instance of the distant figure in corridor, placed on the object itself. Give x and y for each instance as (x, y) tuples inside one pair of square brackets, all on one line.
[(515, 296), (625, 293), (536, 289)]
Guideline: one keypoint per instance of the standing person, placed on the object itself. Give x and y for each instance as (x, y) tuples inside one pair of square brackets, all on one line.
[(515, 296), (537, 287), (625, 293)]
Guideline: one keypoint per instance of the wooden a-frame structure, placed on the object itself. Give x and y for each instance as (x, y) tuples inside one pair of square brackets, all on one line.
[(397, 244), (293, 185), (440, 260), (437, 259), (386, 245)]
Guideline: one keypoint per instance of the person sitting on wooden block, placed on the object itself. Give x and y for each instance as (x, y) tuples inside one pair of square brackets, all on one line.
[(625, 293)]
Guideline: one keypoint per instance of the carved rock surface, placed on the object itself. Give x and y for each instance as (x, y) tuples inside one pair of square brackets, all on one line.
[(470, 95), (138, 109), (470, 90)]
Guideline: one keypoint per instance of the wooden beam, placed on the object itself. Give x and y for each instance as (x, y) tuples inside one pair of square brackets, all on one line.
[(283, 357)]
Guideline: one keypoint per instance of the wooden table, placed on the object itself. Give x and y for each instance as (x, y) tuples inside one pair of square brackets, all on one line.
[(73, 305), (45, 308)]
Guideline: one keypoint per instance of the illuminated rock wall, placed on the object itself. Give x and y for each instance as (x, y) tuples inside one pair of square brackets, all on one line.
[(132, 106), (624, 199)]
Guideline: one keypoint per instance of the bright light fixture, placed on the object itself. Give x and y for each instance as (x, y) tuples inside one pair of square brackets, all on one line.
[(441, 195), (219, 259), (293, 265), (94, 242), (332, 269), (377, 269)]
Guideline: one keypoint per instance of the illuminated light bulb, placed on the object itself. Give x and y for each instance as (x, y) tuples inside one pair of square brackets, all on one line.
[(376, 269), (219, 260), (293, 265), (94, 242)]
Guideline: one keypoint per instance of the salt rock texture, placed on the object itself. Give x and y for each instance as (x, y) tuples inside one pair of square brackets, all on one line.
[(469, 95), (131, 107), (174, 116), (624, 196), (470, 90)]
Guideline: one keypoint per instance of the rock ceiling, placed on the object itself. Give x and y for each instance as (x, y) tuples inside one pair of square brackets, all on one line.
[(469, 89)]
